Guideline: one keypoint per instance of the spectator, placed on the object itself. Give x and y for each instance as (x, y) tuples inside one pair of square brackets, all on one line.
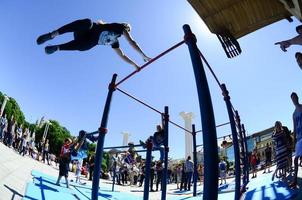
[(281, 155), (183, 184), (10, 131), (159, 174), (46, 152), (142, 174), (189, 168), (3, 123), (253, 161), (200, 173), (297, 121), (124, 174), (23, 145), (40, 149), (169, 175), (78, 171), (152, 172), (18, 138), (268, 158), (222, 170), (178, 175), (297, 40), (31, 146), (91, 166), (298, 57)]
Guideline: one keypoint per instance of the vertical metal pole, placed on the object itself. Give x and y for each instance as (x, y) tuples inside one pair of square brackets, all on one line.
[(147, 169), (246, 161), (195, 174), (166, 145), (207, 118), (100, 144), (227, 98), (242, 152)]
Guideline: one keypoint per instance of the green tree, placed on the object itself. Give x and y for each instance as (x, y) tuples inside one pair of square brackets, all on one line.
[(56, 136), (105, 160), (56, 133), (12, 108)]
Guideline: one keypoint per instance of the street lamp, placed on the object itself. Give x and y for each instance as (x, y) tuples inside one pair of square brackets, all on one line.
[(6, 98), (46, 130)]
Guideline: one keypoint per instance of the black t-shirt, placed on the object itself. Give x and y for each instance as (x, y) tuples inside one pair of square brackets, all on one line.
[(109, 33)]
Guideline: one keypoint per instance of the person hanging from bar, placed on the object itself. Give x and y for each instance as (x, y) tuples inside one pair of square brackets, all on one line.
[(88, 34)]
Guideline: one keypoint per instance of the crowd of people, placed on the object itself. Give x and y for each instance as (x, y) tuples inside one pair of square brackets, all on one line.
[(14, 136), (128, 166), (21, 140), (133, 174), (284, 145), (129, 169)]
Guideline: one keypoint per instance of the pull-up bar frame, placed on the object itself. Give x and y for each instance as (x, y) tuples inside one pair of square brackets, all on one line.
[(151, 61)]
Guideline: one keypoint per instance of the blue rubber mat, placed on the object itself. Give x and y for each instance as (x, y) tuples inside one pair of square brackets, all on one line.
[(229, 187), (43, 187), (225, 191), (223, 196), (264, 188)]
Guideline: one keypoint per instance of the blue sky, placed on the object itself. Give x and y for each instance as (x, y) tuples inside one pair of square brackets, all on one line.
[(71, 87)]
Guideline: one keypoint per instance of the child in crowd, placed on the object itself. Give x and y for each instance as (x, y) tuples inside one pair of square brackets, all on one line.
[(78, 171), (222, 170), (254, 163)]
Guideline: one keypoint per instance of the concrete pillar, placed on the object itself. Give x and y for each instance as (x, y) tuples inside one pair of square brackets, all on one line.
[(187, 117), (125, 138)]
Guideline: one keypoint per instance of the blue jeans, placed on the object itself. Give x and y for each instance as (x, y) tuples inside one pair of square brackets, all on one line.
[(188, 180)]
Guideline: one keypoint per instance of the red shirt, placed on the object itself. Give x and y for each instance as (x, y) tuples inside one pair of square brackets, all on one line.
[(64, 149), (253, 159)]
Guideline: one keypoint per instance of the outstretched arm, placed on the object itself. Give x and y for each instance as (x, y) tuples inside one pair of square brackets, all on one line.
[(287, 43), (135, 45), (126, 58)]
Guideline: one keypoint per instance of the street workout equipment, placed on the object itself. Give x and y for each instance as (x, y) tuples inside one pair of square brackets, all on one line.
[(239, 138), (207, 120)]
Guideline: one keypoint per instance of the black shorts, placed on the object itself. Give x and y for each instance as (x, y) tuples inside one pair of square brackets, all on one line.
[(63, 168)]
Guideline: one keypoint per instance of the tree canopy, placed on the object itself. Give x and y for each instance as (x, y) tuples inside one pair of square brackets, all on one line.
[(56, 133)]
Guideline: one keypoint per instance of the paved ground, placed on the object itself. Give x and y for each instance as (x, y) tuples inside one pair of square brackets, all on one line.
[(16, 173)]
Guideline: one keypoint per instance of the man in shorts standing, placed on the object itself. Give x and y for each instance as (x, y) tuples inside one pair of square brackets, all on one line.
[(297, 124)]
